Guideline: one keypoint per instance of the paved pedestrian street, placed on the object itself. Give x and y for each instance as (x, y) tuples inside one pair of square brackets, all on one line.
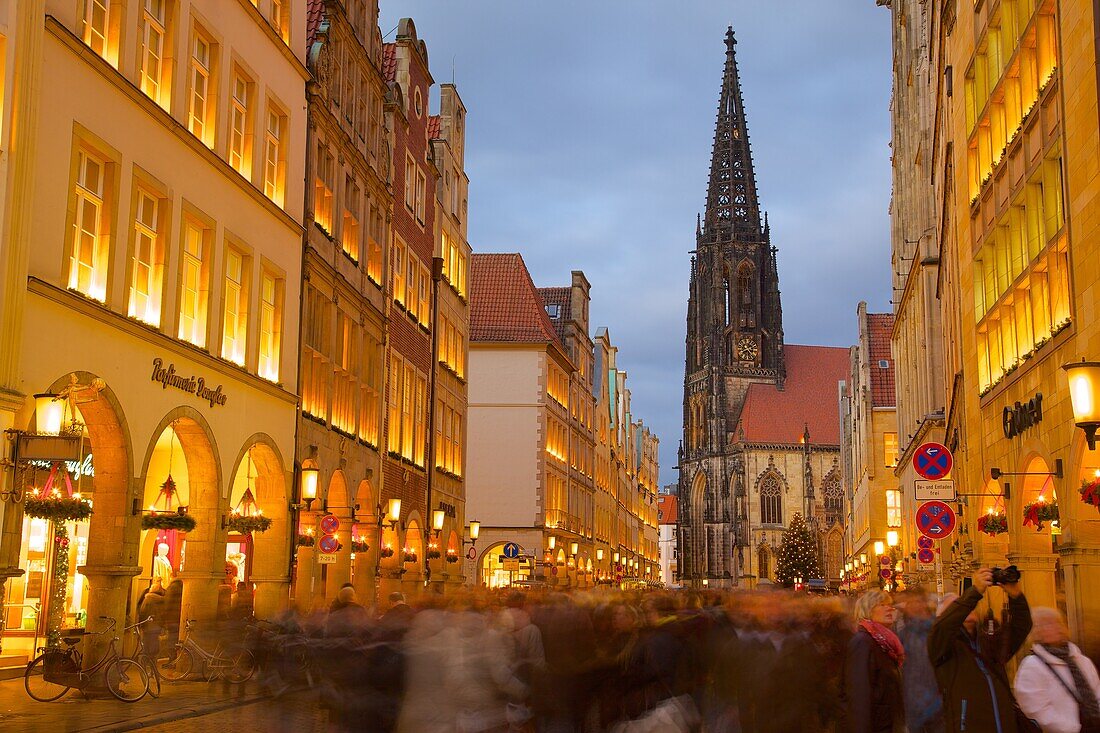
[(179, 702), (299, 713)]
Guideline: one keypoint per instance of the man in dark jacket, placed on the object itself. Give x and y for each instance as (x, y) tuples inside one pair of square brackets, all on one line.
[(969, 668)]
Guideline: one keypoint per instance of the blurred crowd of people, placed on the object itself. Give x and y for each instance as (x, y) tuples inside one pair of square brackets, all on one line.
[(707, 662)]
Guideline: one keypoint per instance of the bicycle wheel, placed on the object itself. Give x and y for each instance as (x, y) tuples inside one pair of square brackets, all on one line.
[(154, 676), (242, 665), (179, 667), (37, 686), (127, 680)]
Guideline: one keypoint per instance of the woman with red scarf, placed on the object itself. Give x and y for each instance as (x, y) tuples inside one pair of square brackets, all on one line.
[(873, 668)]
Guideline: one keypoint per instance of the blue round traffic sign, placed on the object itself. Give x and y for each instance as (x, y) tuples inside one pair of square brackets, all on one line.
[(935, 520), (328, 543), (932, 461), (510, 551), (924, 543), (926, 557)]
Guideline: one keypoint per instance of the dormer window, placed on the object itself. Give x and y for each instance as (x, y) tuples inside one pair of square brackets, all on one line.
[(553, 310)]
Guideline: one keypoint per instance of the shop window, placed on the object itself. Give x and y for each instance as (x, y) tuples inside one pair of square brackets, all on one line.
[(893, 508), (200, 110), (349, 233), (271, 296), (91, 241), (147, 267), (274, 155), (240, 125), (195, 282), (890, 449), (151, 74), (235, 311)]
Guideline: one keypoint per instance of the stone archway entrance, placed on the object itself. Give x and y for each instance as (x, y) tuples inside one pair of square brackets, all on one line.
[(1031, 549)]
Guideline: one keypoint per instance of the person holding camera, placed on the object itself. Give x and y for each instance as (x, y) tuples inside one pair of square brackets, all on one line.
[(1056, 684), (969, 664)]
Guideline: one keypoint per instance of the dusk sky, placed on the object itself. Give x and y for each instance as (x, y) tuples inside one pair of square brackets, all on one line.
[(590, 127)]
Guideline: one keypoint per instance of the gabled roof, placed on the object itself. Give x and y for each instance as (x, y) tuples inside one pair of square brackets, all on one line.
[(505, 305), (808, 400), (389, 62), (315, 11), (668, 509), (879, 328), (434, 127), (562, 298)]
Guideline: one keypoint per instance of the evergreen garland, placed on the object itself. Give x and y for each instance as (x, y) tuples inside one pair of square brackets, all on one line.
[(57, 508), (242, 524), (797, 555), (168, 520), (59, 586)]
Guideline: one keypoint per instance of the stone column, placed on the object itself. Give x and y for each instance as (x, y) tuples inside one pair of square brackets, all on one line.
[(339, 572), (108, 589), (203, 564), (1038, 576), (365, 586), (1081, 566)]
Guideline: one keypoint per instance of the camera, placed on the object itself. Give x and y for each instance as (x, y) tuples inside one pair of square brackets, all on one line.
[(1001, 576)]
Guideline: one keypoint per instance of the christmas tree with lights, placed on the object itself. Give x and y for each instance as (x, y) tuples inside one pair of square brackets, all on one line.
[(797, 556)]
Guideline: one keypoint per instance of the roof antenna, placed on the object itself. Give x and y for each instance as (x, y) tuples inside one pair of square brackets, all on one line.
[(452, 70)]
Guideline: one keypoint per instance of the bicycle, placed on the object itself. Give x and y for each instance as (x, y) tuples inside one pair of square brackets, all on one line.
[(236, 665), (141, 656), (56, 671)]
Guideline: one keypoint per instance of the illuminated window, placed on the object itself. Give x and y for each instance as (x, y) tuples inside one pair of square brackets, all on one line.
[(893, 508), (408, 410), (277, 15), (195, 289), (345, 385), (411, 269), (448, 439), (374, 244), (96, 25), (424, 312), (145, 283), (200, 107), (410, 183), (90, 252), (270, 326), (235, 317), (240, 127), (370, 400), (322, 189), (349, 235), (420, 415), (421, 195), (316, 367), (393, 416), (274, 171), (397, 269), (151, 52), (890, 449)]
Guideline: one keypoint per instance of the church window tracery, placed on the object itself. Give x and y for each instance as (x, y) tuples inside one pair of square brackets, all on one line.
[(834, 498), (771, 499)]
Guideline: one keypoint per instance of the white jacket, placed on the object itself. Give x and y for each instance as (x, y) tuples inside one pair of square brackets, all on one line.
[(1046, 700)]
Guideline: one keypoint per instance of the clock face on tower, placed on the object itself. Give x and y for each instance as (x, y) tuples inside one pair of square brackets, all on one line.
[(746, 348)]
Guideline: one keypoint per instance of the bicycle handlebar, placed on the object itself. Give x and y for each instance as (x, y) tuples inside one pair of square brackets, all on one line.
[(110, 627), (138, 625)]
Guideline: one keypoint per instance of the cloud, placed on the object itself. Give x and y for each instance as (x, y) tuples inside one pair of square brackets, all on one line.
[(590, 130)]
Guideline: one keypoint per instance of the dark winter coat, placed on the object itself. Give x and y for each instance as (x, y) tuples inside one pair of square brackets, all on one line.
[(976, 693), (872, 682)]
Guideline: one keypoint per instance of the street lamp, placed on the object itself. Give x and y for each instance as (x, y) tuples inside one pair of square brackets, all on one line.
[(599, 554), (863, 558), (393, 512), (615, 558), (880, 547), (551, 542), (49, 412), (308, 487), (438, 517), (1084, 396), (892, 538)]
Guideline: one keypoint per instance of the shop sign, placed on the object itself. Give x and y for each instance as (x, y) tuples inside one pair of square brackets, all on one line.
[(77, 469), (1019, 417), (197, 386), (326, 558), (448, 509)]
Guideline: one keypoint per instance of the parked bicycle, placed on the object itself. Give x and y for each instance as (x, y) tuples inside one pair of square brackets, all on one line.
[(57, 670), (141, 656), (235, 663)]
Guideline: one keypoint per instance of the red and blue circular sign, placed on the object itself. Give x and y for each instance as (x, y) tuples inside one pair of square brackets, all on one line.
[(330, 523), (926, 556), (924, 543), (885, 561), (932, 461), (328, 544), (885, 573), (935, 520)]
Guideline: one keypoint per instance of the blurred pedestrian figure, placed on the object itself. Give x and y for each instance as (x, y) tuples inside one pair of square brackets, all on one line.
[(243, 607), (152, 606), (398, 617), (876, 703), (1056, 685), (172, 610), (346, 617), (923, 703), (970, 665)]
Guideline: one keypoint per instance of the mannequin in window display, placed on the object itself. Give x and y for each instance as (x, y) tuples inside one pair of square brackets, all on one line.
[(162, 566)]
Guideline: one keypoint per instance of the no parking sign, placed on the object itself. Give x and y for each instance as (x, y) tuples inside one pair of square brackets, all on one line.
[(935, 520)]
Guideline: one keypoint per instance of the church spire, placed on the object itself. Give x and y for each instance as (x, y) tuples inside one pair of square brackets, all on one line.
[(733, 212)]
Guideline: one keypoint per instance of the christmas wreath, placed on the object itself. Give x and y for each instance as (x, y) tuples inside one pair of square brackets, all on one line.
[(242, 524), (168, 520), (452, 557), (993, 524), (386, 552), (358, 546), (1039, 512), (1090, 492), (410, 556), (433, 554), (57, 508), (305, 540)]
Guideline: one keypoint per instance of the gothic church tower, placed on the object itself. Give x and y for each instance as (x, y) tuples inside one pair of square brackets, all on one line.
[(734, 339)]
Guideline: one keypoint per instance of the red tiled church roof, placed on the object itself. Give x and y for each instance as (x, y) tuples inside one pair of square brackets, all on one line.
[(433, 127), (879, 328), (668, 509), (560, 297), (389, 62), (808, 400), (315, 11), (505, 305)]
